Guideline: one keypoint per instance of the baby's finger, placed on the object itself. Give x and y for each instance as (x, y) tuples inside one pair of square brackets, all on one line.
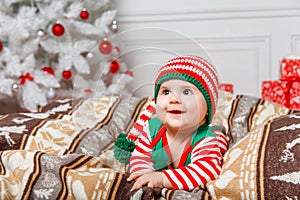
[(150, 184), (133, 176), (154, 185), (138, 184), (130, 178), (134, 187)]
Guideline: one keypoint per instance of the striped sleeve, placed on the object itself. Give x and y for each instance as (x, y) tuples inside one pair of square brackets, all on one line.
[(205, 166), (220, 131), (141, 158), (222, 141)]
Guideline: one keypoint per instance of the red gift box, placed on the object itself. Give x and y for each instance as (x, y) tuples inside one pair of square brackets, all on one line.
[(294, 95), (290, 68), (286, 93), (275, 91), (227, 87)]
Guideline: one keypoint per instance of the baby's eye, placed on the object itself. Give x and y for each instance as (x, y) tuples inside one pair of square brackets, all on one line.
[(187, 92), (165, 92)]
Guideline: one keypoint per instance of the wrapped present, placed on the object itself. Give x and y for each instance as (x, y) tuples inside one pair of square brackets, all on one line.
[(227, 87), (290, 68), (294, 95), (286, 93), (275, 91)]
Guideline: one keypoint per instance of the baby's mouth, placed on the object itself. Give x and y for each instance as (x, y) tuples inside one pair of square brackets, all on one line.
[(176, 112)]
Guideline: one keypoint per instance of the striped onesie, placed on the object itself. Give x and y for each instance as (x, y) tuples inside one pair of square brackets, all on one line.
[(200, 162)]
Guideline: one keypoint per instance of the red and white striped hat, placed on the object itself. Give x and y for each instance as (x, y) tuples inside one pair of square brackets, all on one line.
[(195, 70)]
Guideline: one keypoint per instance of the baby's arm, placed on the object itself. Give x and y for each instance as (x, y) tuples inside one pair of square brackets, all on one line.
[(141, 158), (205, 166), (153, 179), (221, 137), (141, 165)]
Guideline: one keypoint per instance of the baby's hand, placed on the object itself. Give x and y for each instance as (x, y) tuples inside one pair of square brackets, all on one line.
[(154, 180), (138, 174)]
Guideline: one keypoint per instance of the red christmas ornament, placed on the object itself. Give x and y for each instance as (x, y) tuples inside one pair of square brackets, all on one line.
[(84, 14), (105, 46), (118, 49), (58, 29), (1, 46), (48, 70), (129, 73), (67, 74), (114, 67)]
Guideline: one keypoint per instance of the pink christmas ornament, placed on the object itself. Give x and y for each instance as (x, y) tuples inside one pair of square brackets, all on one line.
[(129, 73), (105, 46)]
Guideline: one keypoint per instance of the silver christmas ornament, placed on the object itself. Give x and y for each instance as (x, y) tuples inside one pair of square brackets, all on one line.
[(114, 21), (114, 26), (89, 55), (51, 93), (41, 33), (15, 87)]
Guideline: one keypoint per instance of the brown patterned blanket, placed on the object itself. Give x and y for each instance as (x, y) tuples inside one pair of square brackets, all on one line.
[(64, 151)]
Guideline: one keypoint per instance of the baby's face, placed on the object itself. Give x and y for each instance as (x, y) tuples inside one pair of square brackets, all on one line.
[(180, 105)]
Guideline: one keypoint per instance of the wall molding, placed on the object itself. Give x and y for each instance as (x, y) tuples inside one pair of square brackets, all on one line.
[(256, 46), (247, 38), (295, 44), (152, 17)]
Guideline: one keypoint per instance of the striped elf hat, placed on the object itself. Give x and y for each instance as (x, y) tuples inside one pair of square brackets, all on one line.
[(195, 70)]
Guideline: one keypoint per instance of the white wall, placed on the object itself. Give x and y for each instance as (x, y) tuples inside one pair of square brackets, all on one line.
[(244, 39)]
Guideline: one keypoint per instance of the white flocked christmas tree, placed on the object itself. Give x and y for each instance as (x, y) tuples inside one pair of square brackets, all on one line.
[(53, 49)]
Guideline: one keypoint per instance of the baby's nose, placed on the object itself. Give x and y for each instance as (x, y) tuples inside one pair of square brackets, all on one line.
[(175, 98)]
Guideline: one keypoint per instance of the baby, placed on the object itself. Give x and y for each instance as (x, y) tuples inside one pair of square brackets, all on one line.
[(179, 149)]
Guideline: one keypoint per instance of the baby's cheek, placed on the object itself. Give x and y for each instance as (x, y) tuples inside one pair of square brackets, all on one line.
[(159, 112)]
